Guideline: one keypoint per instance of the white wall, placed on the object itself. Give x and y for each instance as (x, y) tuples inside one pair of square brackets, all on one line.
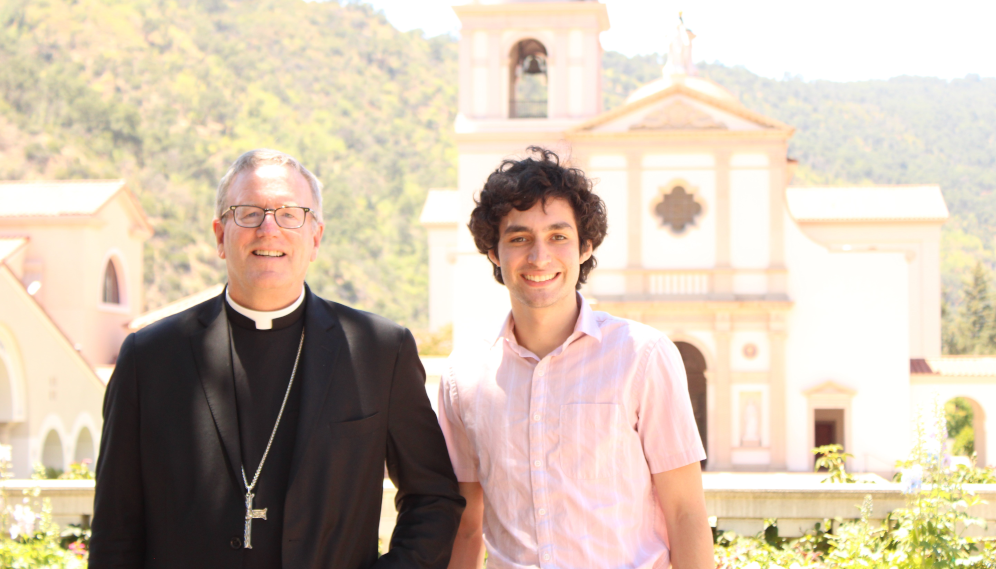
[(694, 248), (850, 325), (479, 302), (612, 185), (442, 254), (750, 226)]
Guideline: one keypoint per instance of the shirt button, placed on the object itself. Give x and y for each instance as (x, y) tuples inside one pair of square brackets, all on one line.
[(536, 417), (542, 511), (546, 557), (541, 372), (538, 463), (236, 543)]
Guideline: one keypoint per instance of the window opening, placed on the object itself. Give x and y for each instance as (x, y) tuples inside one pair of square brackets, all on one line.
[(528, 81), (112, 291), (828, 428)]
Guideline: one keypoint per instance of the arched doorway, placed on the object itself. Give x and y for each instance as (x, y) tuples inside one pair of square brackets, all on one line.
[(966, 425), (695, 367)]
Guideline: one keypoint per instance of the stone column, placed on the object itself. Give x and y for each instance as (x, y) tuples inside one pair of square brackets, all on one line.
[(496, 98), (777, 404), (634, 218), (722, 409), (777, 278), (722, 283)]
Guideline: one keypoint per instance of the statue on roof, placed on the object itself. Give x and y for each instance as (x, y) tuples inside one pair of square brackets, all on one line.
[(679, 53)]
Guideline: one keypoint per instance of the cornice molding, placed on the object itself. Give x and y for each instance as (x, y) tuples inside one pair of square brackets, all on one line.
[(533, 9)]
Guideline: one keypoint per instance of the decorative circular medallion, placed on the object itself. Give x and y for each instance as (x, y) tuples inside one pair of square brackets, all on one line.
[(750, 351)]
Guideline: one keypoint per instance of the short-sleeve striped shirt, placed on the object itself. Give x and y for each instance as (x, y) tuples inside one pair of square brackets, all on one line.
[(564, 446)]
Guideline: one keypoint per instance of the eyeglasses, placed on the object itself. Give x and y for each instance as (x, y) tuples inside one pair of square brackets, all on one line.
[(250, 216)]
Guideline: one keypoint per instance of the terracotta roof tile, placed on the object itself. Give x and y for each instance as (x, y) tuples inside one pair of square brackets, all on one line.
[(53, 198), (867, 203), (963, 365), (919, 365)]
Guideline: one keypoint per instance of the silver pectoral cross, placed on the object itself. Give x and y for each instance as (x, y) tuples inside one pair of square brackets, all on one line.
[(251, 515)]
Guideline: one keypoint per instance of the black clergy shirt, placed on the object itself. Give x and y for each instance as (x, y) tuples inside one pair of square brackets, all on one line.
[(262, 361)]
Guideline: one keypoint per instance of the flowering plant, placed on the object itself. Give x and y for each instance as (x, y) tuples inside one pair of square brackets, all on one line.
[(34, 539), (927, 533)]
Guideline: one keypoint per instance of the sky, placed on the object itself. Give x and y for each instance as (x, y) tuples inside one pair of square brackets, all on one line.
[(839, 40)]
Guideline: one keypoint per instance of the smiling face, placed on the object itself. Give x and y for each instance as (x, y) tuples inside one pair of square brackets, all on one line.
[(267, 265), (539, 254)]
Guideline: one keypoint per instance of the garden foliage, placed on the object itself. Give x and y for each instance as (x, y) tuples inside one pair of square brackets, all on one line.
[(29, 539), (929, 533)]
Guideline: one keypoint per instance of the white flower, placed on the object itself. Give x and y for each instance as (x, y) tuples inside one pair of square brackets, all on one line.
[(23, 521), (912, 479), (5, 453), (753, 565), (932, 448)]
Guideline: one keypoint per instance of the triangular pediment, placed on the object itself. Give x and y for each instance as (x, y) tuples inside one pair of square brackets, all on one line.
[(680, 109), (679, 115), (829, 388)]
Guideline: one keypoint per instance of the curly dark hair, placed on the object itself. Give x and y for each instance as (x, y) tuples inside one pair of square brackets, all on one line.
[(520, 184)]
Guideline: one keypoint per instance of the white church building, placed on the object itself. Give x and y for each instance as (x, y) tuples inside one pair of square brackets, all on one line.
[(805, 315)]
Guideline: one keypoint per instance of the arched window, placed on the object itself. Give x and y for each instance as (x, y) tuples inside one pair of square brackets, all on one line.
[(52, 457), (84, 447), (112, 290), (6, 391), (528, 84)]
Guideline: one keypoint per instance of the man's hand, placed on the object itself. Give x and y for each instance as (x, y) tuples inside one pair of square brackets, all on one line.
[(468, 549), (683, 501)]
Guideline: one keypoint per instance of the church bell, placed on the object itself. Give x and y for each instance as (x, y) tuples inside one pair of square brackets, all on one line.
[(533, 67)]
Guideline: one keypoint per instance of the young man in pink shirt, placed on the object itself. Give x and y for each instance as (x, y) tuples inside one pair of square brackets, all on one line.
[(571, 433)]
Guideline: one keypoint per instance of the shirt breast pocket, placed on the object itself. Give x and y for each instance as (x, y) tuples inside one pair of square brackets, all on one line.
[(589, 440)]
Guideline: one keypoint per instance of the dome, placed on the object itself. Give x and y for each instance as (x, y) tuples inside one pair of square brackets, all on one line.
[(700, 84)]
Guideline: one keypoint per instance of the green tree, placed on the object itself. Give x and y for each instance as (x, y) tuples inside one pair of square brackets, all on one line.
[(168, 94), (976, 326), (958, 416)]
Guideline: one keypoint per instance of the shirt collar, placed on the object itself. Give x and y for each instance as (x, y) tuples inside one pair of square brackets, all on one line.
[(586, 324), (263, 319)]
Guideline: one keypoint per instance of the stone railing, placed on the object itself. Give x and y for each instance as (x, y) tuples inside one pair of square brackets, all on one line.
[(72, 500), (678, 283), (739, 502)]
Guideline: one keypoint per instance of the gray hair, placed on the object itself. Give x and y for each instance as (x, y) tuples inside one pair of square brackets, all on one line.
[(255, 158)]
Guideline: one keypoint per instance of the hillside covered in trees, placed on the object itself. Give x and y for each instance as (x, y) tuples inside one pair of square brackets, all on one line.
[(167, 94)]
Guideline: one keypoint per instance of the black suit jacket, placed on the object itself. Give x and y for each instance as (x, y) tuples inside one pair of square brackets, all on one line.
[(169, 488)]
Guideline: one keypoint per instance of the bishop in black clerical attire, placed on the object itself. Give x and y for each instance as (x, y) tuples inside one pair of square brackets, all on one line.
[(252, 430)]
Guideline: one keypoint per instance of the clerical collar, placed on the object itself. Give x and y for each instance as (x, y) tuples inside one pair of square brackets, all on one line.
[(263, 319)]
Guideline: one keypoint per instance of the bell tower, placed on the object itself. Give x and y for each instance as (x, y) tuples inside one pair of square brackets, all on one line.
[(530, 71), (529, 59)]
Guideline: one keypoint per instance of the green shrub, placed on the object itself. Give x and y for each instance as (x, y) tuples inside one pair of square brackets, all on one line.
[(28, 536), (926, 534)]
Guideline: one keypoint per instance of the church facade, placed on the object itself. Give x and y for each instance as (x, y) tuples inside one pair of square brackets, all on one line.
[(805, 315), (70, 283)]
